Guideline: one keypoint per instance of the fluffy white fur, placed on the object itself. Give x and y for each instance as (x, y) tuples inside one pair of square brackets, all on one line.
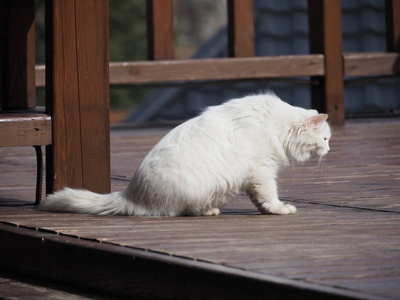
[(198, 166)]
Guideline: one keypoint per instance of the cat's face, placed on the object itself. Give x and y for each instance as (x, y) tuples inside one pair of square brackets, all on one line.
[(321, 140), (313, 140)]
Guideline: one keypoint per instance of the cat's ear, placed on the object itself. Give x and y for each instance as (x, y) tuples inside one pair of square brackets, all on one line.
[(316, 121)]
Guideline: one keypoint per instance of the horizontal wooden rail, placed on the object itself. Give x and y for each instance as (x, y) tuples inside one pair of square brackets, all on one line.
[(355, 64), (210, 69), (25, 128), (371, 63), (216, 69)]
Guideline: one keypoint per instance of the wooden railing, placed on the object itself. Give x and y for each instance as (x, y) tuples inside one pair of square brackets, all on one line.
[(78, 69), (326, 64)]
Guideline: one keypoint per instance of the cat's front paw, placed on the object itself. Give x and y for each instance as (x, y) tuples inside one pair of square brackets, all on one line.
[(286, 209), (277, 209), (211, 212)]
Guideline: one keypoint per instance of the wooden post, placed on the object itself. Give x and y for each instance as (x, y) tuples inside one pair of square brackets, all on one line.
[(240, 28), (392, 25), (160, 30), (325, 36), (17, 54), (77, 94)]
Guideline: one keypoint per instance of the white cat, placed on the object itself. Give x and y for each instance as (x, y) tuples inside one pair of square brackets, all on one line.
[(198, 166)]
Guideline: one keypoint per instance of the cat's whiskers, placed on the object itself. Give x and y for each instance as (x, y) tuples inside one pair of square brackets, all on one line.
[(320, 164)]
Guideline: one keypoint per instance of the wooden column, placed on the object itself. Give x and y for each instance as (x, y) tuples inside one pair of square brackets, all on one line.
[(392, 25), (77, 94), (17, 54), (160, 30), (240, 28), (325, 36)]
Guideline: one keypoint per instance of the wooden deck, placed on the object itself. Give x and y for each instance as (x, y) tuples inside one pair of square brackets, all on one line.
[(344, 242)]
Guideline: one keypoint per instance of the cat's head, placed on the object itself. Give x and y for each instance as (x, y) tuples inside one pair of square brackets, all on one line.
[(310, 138)]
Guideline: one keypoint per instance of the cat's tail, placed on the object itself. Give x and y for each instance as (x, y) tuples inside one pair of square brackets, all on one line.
[(86, 202)]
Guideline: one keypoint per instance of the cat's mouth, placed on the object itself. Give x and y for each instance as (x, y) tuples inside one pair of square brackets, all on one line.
[(320, 154)]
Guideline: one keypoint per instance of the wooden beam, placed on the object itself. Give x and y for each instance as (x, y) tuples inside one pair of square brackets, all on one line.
[(64, 157), (17, 54), (325, 37), (160, 29), (334, 84), (216, 69), (371, 64), (240, 28), (392, 25), (77, 94), (25, 129), (93, 61), (142, 72), (355, 64)]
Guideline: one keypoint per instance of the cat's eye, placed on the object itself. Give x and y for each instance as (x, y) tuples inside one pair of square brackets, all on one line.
[(325, 139)]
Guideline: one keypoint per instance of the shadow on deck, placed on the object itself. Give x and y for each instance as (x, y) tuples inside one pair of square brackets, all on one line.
[(344, 242)]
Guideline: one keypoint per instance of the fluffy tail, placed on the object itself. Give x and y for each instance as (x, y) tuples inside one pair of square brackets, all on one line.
[(86, 202)]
